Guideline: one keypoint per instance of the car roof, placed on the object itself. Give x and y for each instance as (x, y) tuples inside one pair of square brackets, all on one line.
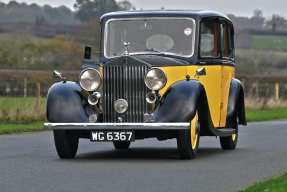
[(163, 13)]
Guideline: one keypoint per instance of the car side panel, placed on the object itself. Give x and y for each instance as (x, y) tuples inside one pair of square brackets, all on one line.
[(212, 84)]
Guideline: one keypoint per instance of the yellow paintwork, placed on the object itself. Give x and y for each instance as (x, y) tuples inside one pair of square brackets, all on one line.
[(227, 75), (233, 137), (101, 87), (216, 83), (174, 74), (193, 134)]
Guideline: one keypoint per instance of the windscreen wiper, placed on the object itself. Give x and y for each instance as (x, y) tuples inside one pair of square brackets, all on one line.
[(154, 50)]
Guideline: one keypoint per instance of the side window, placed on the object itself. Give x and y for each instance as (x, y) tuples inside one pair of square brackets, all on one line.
[(231, 41), (225, 40), (208, 41)]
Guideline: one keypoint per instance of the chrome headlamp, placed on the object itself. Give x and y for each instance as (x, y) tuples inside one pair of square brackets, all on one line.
[(155, 79), (121, 106), (90, 79)]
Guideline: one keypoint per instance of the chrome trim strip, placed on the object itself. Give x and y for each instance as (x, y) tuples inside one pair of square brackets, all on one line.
[(116, 126), (152, 18)]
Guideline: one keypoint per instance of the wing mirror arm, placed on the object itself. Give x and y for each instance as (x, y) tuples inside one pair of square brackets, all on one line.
[(88, 52), (58, 75), (199, 72)]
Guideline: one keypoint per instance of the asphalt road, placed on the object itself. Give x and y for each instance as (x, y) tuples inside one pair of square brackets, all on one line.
[(28, 162)]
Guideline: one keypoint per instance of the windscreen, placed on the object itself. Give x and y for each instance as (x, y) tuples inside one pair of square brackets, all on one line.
[(174, 36)]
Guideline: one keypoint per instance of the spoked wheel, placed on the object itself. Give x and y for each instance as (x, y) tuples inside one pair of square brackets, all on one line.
[(122, 145), (188, 140), (66, 143), (230, 142)]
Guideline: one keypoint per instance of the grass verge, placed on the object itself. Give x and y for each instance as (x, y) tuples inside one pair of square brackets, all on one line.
[(22, 110), (252, 116), (278, 184), (17, 128), (265, 115)]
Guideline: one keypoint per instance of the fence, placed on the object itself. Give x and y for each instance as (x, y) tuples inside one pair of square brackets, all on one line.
[(255, 90), (24, 89)]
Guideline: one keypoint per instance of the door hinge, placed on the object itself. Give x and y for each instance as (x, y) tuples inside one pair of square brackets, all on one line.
[(221, 105)]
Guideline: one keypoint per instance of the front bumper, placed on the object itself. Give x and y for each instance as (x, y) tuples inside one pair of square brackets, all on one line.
[(116, 126)]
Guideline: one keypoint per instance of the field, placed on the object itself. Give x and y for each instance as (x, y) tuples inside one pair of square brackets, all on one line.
[(21, 37), (22, 110), (266, 41)]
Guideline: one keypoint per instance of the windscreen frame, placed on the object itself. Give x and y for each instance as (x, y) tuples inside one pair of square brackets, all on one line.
[(150, 18)]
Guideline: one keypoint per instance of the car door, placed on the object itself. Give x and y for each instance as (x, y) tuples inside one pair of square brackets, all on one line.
[(209, 57)]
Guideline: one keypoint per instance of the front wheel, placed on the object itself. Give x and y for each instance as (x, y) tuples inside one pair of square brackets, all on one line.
[(122, 144), (66, 143), (188, 140), (230, 142)]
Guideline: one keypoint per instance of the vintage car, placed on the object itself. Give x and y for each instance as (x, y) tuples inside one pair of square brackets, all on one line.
[(162, 74)]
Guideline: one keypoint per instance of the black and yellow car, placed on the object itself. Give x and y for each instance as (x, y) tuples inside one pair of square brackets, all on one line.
[(162, 74)]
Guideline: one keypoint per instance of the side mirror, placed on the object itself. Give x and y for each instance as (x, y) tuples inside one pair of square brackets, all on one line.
[(57, 75), (199, 72), (88, 52)]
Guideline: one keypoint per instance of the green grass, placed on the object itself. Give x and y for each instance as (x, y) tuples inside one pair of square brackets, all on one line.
[(269, 41), (273, 185), (9, 102), (264, 115), (21, 110), (16, 128)]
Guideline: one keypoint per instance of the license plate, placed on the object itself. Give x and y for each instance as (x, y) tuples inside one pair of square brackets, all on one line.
[(112, 136)]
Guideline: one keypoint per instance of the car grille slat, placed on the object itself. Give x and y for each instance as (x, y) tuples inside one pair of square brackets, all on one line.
[(125, 82)]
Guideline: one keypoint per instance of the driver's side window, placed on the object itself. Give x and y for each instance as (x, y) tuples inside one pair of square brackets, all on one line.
[(209, 39)]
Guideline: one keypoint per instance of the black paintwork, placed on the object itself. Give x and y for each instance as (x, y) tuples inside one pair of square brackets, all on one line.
[(65, 104), (179, 102), (127, 61), (235, 104), (162, 13), (161, 61)]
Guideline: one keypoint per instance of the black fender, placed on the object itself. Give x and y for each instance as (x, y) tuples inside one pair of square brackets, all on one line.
[(179, 102), (236, 106), (66, 103)]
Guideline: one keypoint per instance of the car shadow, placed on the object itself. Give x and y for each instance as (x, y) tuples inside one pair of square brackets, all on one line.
[(146, 153)]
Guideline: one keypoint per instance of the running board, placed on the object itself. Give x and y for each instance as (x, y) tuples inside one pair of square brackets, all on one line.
[(224, 132)]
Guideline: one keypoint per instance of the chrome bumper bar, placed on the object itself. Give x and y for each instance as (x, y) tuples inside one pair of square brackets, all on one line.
[(116, 126)]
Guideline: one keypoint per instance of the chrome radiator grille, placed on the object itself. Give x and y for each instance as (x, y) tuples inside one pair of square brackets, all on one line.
[(125, 82)]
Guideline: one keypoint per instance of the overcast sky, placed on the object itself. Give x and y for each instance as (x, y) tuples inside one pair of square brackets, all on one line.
[(236, 7)]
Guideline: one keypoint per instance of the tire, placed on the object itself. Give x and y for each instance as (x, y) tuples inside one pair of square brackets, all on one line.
[(122, 145), (188, 147), (66, 143), (230, 142)]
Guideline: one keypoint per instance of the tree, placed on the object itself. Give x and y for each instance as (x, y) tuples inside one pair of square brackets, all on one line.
[(125, 5), (86, 9), (275, 20), (257, 20)]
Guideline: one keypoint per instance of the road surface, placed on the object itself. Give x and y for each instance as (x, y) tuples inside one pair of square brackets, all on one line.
[(28, 162)]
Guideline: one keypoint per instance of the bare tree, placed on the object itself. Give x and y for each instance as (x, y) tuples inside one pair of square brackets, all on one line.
[(275, 20)]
